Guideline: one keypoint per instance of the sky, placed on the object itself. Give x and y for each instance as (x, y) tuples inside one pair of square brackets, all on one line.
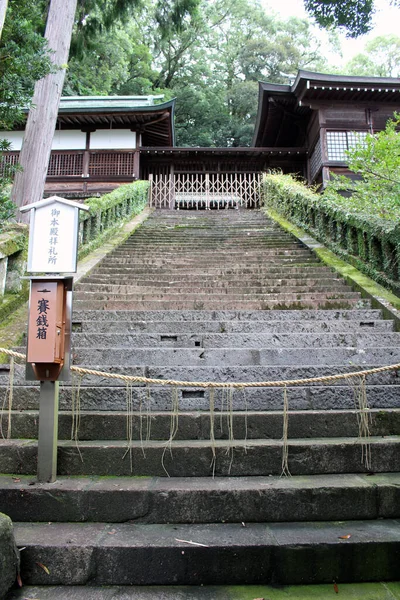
[(386, 20)]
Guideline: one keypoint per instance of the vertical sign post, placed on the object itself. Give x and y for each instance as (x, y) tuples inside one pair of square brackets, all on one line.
[(53, 246)]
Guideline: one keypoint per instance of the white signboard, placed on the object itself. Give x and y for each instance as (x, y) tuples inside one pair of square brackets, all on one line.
[(53, 236)]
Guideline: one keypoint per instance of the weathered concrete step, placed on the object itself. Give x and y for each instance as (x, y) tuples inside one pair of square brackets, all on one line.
[(224, 374), (137, 554), (280, 297), (206, 327), (238, 356), (194, 458), (107, 397), (164, 281), (361, 339), (111, 305), (372, 590), (191, 252), (308, 270), (228, 288), (210, 282), (363, 315), (191, 240), (98, 425), (198, 500), (204, 263)]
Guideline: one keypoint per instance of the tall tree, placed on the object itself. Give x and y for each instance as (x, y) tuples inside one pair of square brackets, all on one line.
[(34, 158), (381, 58), (353, 15), (3, 10), (23, 60)]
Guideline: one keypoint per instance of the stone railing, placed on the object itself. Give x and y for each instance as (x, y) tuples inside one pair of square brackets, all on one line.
[(13, 254), (370, 244)]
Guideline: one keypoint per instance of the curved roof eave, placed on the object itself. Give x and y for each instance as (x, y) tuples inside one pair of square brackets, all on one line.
[(170, 104)]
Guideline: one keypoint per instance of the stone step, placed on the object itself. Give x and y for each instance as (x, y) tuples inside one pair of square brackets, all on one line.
[(194, 458), (204, 263), (281, 297), (384, 355), (323, 303), (289, 271), (359, 339), (198, 500), (372, 590), (99, 424), (239, 289), (111, 395), (244, 327), (224, 374), (364, 315), (137, 554), (208, 282), (170, 252)]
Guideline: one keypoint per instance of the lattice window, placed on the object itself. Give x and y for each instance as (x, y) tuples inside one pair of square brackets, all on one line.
[(7, 160), (316, 160), (111, 163), (64, 164), (338, 142)]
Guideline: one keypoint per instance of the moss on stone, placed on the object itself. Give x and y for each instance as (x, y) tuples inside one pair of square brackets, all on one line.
[(364, 284)]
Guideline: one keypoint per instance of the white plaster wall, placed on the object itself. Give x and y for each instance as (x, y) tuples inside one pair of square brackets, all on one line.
[(69, 140), (14, 137), (112, 139)]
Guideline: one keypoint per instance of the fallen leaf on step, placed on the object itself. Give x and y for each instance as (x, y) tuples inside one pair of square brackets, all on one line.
[(192, 543), (335, 587), (111, 532), (16, 479), (42, 566), (244, 525), (345, 537)]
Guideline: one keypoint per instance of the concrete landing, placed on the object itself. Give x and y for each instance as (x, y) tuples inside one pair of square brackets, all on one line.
[(349, 591)]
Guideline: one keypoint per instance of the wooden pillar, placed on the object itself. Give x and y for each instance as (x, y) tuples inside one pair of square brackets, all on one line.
[(86, 156)]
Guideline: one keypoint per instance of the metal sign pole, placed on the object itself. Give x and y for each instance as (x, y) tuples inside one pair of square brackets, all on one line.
[(48, 431)]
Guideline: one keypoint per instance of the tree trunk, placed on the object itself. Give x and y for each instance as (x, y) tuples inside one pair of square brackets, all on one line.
[(3, 10), (35, 153)]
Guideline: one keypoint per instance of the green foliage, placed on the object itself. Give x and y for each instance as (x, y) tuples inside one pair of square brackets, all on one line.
[(369, 243), (377, 161), (23, 58), (135, 193), (354, 15), (381, 58), (107, 213), (209, 54), (7, 207)]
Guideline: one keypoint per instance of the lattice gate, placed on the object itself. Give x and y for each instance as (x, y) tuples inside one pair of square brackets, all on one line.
[(205, 191)]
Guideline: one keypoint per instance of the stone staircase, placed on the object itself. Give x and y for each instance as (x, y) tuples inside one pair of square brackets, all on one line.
[(222, 296)]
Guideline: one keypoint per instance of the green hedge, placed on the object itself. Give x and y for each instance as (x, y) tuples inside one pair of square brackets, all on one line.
[(107, 213), (370, 244)]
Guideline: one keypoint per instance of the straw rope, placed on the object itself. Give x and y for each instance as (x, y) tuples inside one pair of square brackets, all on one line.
[(356, 379), (219, 384)]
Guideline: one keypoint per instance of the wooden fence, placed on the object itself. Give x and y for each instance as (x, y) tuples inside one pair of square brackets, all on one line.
[(206, 191)]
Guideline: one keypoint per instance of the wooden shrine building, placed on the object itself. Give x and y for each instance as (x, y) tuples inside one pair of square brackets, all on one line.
[(303, 128), (97, 141), (323, 116)]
